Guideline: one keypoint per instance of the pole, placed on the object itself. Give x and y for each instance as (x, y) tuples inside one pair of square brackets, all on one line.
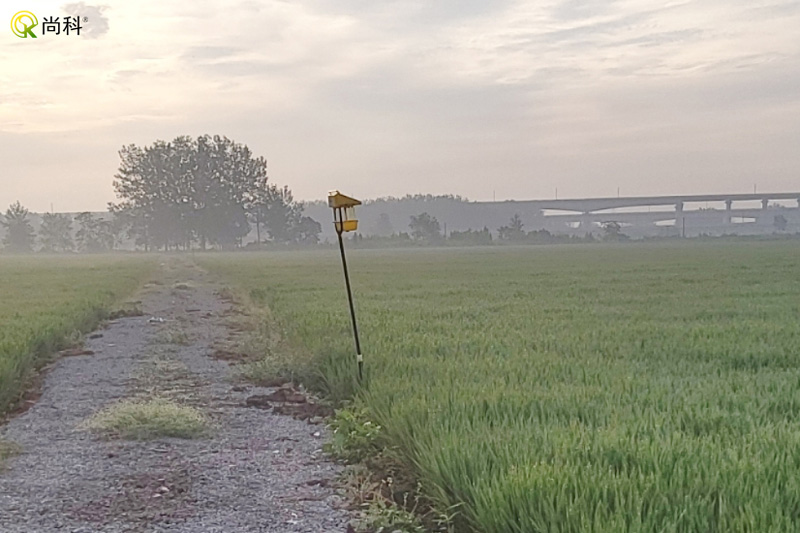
[(359, 357)]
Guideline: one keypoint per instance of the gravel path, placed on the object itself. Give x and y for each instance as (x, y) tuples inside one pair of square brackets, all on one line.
[(257, 471)]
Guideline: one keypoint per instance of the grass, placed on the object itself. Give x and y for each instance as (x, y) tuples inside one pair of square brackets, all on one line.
[(47, 302), (7, 450), (638, 388), (149, 419)]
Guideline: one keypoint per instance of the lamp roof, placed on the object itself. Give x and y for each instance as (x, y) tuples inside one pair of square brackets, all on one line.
[(337, 199)]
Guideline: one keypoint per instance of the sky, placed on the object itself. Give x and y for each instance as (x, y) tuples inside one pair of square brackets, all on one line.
[(487, 100)]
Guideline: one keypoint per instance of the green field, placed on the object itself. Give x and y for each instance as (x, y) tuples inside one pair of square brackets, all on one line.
[(634, 388), (46, 302)]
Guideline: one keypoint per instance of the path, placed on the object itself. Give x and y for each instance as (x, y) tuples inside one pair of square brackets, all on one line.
[(257, 471)]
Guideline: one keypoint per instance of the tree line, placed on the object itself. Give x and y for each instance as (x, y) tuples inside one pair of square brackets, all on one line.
[(204, 191), (58, 233), (425, 229), (179, 194)]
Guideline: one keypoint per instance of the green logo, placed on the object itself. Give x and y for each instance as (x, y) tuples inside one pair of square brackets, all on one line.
[(22, 24)]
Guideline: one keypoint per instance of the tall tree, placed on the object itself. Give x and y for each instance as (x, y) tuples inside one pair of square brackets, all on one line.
[(513, 231), (94, 234), (424, 227), (780, 223), (55, 234), (19, 231), (384, 226), (183, 191)]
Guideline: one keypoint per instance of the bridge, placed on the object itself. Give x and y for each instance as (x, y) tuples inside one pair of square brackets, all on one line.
[(578, 216), (593, 205)]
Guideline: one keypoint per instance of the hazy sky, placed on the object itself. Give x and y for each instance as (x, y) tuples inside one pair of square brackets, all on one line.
[(468, 97)]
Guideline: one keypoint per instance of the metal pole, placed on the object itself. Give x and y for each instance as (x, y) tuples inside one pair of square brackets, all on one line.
[(359, 357)]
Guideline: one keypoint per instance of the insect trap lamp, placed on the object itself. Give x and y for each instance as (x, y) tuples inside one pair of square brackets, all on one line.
[(344, 220)]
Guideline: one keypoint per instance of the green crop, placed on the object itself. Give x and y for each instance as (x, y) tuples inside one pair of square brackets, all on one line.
[(636, 388), (47, 302)]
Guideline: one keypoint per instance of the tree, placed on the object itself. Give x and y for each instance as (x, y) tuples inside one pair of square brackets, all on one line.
[(94, 234), (189, 190), (470, 236), (284, 219), (384, 226), (613, 231), (425, 228), (512, 232), (19, 231), (55, 234), (780, 223)]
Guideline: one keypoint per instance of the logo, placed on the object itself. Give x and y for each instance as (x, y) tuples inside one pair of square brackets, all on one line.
[(22, 24)]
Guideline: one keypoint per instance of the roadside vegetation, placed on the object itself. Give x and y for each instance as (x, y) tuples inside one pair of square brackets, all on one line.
[(146, 419), (624, 388), (48, 303), (7, 450)]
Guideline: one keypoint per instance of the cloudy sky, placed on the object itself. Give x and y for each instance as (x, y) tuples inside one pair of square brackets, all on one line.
[(505, 99)]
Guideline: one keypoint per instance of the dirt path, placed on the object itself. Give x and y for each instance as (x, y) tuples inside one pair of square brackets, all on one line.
[(255, 472)]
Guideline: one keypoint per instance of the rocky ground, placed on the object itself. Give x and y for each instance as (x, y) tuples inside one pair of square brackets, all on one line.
[(255, 471)]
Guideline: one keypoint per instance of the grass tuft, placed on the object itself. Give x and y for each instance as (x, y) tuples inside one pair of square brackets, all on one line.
[(151, 419), (7, 450)]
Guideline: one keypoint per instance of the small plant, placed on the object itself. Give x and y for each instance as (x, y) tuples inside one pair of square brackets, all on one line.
[(7, 450), (354, 436), (151, 419), (384, 516), (173, 336)]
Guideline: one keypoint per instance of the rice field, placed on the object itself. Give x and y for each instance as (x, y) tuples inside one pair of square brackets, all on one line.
[(47, 302), (639, 388)]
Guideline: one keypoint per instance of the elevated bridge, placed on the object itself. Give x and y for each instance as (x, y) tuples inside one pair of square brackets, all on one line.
[(593, 205), (579, 216)]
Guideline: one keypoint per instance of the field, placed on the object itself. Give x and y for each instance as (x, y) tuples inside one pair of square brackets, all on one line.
[(636, 388), (47, 302)]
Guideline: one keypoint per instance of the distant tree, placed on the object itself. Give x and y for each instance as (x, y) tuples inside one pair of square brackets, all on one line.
[(94, 234), (780, 223), (19, 231), (513, 231), (384, 226), (470, 236), (306, 230), (424, 227), (55, 234), (133, 224), (280, 214), (541, 236), (612, 231)]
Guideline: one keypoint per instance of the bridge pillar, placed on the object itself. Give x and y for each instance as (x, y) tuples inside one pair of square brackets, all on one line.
[(586, 222), (764, 203), (680, 221), (728, 206)]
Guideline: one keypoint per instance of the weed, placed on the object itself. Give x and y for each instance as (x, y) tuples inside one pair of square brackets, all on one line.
[(354, 436), (149, 419), (172, 335), (7, 450)]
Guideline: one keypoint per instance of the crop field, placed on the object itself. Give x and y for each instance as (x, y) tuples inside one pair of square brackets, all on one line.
[(636, 388), (47, 302)]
